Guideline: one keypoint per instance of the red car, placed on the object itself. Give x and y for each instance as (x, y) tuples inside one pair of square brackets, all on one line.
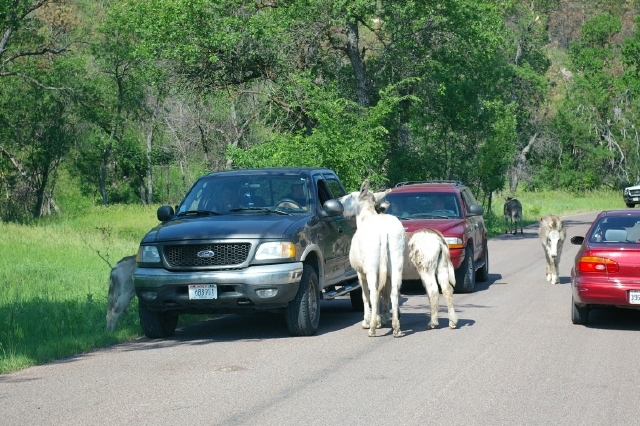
[(451, 208), (606, 270)]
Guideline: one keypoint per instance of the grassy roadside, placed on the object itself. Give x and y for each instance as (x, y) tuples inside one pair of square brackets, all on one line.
[(538, 204), (55, 281)]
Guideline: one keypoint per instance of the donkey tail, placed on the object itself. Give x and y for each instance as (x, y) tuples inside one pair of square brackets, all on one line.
[(383, 269), (445, 262)]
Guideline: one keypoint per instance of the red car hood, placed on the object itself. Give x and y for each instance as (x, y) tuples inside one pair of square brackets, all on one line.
[(442, 225)]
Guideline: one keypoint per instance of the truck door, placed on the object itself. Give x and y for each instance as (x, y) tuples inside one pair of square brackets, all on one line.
[(336, 236), (477, 223)]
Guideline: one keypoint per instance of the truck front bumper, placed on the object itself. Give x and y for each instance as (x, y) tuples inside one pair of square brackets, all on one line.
[(254, 288)]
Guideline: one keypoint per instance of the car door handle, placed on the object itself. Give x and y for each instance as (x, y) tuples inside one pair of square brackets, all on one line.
[(340, 231)]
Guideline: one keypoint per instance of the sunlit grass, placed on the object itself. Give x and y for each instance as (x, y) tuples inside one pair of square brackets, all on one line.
[(540, 203), (55, 278)]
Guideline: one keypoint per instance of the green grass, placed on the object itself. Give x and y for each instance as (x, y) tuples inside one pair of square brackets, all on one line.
[(55, 278)]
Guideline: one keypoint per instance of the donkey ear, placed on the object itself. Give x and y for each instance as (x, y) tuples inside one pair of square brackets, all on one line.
[(380, 195), (364, 188)]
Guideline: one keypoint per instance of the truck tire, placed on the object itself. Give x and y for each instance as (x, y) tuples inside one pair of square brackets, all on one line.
[(466, 274), (356, 300), (482, 274), (303, 312), (156, 324)]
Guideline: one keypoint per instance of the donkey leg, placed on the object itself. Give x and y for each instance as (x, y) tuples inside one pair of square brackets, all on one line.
[(431, 287), (554, 274), (365, 300), (374, 298), (547, 266), (447, 292), (396, 282)]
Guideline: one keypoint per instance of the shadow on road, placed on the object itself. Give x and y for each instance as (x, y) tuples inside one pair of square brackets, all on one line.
[(574, 222), (335, 315), (412, 287), (614, 319), (529, 232)]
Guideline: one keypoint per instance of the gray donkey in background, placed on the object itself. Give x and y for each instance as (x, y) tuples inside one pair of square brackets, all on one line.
[(513, 214)]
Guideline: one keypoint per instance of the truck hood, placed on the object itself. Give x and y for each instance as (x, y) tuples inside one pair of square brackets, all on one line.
[(241, 226), (442, 225)]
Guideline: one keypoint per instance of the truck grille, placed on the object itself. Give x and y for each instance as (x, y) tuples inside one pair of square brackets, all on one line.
[(210, 254), (634, 192)]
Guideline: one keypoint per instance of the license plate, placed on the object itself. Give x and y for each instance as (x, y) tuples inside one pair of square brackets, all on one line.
[(634, 297), (636, 198), (210, 291)]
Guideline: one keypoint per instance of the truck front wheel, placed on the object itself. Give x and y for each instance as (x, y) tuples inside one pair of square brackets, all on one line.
[(156, 324), (303, 312), (466, 273)]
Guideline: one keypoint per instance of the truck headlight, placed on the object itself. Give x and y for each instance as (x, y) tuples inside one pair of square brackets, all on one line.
[(276, 250), (148, 254), (454, 242)]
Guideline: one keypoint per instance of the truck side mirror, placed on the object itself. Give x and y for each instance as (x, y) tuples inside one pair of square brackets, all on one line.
[(333, 208), (476, 210), (165, 213)]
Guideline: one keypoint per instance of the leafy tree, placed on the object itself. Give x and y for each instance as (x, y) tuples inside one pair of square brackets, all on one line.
[(590, 153), (36, 112)]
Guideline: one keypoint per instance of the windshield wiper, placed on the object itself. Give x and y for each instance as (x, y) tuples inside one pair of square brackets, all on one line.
[(431, 215), (198, 213), (259, 209)]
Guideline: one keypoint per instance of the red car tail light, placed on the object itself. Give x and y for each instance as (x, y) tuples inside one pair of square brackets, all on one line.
[(597, 264)]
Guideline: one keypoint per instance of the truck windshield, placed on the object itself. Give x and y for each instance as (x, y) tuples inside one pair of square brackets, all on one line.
[(255, 193)]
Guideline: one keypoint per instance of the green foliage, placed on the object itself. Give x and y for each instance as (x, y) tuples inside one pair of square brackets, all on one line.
[(165, 90), (347, 138), (496, 152)]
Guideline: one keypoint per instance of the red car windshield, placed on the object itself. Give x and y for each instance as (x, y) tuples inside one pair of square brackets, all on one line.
[(616, 229), (415, 205)]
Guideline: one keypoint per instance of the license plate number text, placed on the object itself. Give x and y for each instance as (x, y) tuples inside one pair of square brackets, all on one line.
[(206, 291)]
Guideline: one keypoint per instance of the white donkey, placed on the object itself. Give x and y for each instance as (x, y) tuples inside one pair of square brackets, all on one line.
[(121, 290), (430, 255), (552, 234), (377, 255)]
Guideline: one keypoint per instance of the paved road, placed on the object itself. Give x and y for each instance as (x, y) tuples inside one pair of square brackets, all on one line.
[(516, 359)]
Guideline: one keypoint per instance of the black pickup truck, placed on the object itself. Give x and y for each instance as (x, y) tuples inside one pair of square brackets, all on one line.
[(243, 241)]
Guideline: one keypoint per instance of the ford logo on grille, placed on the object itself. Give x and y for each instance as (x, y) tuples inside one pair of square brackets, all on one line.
[(206, 254)]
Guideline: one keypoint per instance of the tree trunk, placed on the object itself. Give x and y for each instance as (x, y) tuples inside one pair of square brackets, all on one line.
[(149, 194), (521, 162), (106, 154), (357, 62)]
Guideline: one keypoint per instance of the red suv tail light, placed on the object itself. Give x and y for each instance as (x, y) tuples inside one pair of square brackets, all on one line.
[(597, 264)]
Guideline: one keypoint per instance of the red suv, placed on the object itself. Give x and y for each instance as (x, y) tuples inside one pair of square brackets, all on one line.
[(451, 208)]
